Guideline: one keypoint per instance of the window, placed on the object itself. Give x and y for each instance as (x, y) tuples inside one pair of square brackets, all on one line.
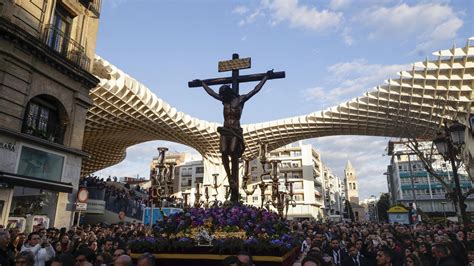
[(59, 31), (28, 201), (186, 171), (298, 185), (298, 197), (199, 170), (254, 177), (296, 175), (186, 182), (42, 119), (40, 164)]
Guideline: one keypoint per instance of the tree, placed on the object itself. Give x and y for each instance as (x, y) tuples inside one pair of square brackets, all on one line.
[(457, 197), (382, 207), (348, 212), (426, 155)]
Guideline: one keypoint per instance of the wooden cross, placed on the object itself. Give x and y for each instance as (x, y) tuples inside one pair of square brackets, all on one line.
[(235, 65)]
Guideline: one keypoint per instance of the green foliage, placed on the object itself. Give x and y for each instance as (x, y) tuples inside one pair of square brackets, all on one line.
[(382, 207), (348, 212)]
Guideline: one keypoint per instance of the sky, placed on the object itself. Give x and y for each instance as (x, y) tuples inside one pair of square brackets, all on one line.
[(331, 50)]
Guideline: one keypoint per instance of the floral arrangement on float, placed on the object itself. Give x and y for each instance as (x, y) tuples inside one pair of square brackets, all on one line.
[(222, 230)]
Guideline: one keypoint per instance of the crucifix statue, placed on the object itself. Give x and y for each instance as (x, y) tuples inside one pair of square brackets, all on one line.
[(232, 144)]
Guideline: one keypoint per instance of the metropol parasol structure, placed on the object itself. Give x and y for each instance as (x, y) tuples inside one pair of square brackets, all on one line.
[(420, 99)]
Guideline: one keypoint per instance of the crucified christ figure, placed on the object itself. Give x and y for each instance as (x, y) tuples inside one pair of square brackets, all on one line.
[(232, 142)]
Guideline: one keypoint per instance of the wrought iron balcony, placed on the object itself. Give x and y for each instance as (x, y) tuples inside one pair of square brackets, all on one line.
[(48, 131), (92, 5), (64, 45)]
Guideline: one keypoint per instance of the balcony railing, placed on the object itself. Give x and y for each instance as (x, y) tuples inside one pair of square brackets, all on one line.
[(92, 5), (43, 128), (132, 208), (67, 47)]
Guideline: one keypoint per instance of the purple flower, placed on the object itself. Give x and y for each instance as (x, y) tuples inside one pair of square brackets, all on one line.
[(276, 242)]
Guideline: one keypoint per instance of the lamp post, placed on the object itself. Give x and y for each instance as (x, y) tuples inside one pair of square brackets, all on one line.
[(448, 146), (280, 200), (161, 190), (410, 170), (444, 211)]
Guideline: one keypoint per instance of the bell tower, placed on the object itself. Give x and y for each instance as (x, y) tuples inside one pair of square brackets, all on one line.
[(352, 185)]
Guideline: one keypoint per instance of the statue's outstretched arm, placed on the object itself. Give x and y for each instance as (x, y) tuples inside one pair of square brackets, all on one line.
[(210, 91), (257, 88)]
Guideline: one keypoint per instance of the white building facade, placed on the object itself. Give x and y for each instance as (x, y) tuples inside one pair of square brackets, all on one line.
[(334, 193), (301, 165), (409, 182)]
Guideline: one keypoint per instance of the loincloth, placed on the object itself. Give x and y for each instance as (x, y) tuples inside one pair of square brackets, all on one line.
[(233, 133)]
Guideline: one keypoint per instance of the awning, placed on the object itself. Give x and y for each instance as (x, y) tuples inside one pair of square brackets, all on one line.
[(27, 181)]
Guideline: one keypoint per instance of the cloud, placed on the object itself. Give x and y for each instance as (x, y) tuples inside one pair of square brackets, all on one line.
[(240, 10), (302, 16), (428, 23), (338, 4), (115, 3), (298, 15), (350, 79), (139, 158), (251, 17), (365, 154), (442, 32), (346, 36)]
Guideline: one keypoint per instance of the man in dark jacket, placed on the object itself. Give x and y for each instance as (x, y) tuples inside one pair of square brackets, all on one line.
[(442, 256), (354, 258), (7, 257), (336, 252)]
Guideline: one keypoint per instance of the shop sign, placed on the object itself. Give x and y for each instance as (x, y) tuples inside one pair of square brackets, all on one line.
[(81, 206), (7, 146), (401, 218), (95, 206), (82, 195)]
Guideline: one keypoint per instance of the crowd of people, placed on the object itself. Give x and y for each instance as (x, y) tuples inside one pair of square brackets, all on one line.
[(324, 244), (118, 197), (341, 244), (353, 244), (80, 246)]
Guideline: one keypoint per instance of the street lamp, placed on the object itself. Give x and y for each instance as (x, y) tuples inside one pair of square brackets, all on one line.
[(444, 211), (410, 168), (456, 131), (448, 146)]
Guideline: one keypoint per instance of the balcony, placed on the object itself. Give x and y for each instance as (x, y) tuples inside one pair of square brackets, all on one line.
[(43, 128), (93, 6), (65, 46)]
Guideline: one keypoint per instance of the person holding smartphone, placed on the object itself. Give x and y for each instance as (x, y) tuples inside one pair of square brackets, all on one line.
[(41, 249)]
